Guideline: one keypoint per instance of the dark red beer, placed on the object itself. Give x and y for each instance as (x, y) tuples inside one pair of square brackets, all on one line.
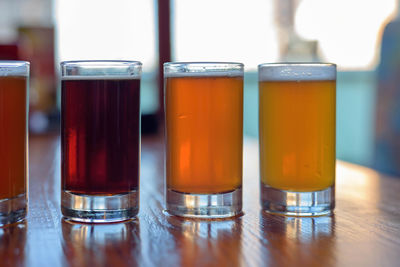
[(100, 133)]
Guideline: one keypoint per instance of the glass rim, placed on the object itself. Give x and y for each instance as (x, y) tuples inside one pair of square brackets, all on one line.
[(206, 68), (100, 62), (16, 68), (298, 64), (100, 69), (299, 71), (197, 63)]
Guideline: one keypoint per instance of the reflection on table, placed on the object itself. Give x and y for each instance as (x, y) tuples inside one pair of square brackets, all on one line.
[(298, 240), (13, 244), (211, 242), (100, 244)]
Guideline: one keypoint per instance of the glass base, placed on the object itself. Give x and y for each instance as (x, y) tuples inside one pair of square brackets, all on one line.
[(13, 210), (99, 209), (204, 206), (291, 203)]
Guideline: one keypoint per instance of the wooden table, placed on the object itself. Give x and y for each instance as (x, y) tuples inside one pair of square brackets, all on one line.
[(364, 231)]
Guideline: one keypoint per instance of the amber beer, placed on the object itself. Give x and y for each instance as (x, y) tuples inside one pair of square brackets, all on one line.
[(297, 105), (204, 114), (13, 140), (204, 134)]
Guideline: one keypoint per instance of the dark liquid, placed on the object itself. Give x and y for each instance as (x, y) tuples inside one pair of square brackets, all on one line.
[(100, 131)]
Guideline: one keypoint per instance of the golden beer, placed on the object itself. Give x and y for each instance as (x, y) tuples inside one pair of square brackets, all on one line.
[(297, 131), (297, 134)]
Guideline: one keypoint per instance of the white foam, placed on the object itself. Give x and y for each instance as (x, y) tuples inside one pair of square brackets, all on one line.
[(93, 77), (100, 69), (297, 72), (14, 68), (203, 69), (235, 73)]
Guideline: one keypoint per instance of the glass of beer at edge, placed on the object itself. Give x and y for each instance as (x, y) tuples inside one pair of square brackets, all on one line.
[(204, 132), (14, 92), (297, 131), (100, 140)]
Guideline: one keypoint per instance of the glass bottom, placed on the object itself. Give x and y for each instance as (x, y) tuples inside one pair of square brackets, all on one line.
[(316, 203), (99, 209), (204, 206), (13, 210)]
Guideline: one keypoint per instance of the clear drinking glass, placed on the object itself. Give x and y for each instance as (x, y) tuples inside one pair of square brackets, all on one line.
[(204, 132), (297, 131), (14, 94), (100, 140)]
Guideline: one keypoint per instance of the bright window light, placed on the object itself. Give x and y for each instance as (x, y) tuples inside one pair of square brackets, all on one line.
[(347, 31), (103, 29), (224, 30)]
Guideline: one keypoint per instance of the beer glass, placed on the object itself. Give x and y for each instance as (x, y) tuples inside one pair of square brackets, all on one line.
[(297, 121), (100, 140), (204, 131), (14, 94)]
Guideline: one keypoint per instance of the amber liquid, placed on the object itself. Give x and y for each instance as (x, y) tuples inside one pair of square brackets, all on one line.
[(297, 134), (204, 127), (100, 136), (13, 136)]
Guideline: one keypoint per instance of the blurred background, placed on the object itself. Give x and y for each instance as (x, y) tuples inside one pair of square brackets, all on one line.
[(361, 36)]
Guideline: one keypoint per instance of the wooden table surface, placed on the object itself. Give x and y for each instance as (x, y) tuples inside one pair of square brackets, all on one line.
[(364, 230)]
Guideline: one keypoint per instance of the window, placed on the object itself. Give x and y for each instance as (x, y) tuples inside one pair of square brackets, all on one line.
[(118, 30)]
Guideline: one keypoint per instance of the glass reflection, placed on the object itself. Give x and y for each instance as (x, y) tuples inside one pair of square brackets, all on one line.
[(12, 245), (299, 240), (305, 230), (101, 244), (207, 242)]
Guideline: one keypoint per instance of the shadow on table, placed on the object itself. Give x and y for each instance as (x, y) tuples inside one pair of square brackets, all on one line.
[(115, 244), (207, 243), (12, 245), (303, 241)]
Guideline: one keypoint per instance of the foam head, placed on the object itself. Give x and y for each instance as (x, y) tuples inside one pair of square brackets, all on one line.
[(14, 68), (100, 70), (297, 72), (203, 69)]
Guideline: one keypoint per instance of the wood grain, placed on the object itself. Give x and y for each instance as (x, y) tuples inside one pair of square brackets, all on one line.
[(364, 231)]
